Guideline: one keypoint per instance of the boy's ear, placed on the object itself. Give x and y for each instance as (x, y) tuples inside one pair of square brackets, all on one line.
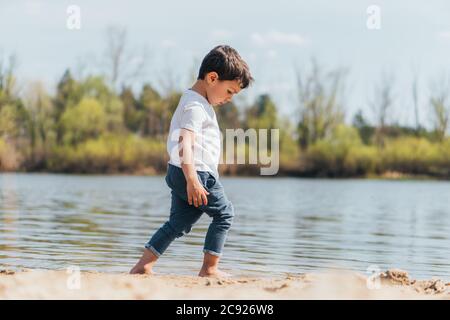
[(212, 77)]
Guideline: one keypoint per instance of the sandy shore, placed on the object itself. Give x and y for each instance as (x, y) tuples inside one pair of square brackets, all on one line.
[(393, 284)]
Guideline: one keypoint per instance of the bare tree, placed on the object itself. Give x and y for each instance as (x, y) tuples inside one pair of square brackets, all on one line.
[(382, 104), (440, 106), (8, 66), (83, 66), (42, 132), (123, 65), (415, 96), (116, 51), (319, 99)]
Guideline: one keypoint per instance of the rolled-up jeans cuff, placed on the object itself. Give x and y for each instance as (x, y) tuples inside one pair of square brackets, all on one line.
[(217, 254), (152, 249)]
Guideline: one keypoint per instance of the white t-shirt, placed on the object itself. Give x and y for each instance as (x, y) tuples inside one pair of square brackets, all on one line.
[(196, 114)]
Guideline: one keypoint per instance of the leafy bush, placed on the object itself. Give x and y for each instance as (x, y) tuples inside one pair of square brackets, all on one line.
[(110, 154)]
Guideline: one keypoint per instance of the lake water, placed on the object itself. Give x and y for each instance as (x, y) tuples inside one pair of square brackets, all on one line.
[(282, 225)]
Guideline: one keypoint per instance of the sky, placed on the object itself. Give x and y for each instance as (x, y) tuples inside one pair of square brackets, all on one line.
[(276, 38)]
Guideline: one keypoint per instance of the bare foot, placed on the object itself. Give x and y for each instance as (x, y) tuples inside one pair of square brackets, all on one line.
[(214, 273), (142, 269), (145, 264)]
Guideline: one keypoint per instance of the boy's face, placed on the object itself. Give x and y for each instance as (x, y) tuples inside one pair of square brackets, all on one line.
[(220, 91)]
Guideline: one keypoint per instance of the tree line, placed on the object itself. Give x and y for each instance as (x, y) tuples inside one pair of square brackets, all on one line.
[(99, 124)]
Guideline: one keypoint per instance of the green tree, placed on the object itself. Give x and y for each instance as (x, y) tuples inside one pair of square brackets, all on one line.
[(171, 101), (365, 130), (86, 120), (12, 120), (262, 114), (8, 80), (97, 88), (13, 115), (228, 116), (42, 125), (153, 105), (68, 94), (132, 114)]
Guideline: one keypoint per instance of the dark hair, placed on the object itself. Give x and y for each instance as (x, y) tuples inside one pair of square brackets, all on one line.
[(228, 64)]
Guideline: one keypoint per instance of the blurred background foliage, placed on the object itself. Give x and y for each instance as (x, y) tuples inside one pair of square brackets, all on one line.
[(98, 124)]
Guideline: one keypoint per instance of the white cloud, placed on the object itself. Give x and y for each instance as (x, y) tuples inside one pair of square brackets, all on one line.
[(277, 38), (444, 35)]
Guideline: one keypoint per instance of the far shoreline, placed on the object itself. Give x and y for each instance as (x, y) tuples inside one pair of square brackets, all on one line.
[(386, 176)]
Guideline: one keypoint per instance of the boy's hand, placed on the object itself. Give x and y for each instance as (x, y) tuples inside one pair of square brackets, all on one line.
[(196, 193)]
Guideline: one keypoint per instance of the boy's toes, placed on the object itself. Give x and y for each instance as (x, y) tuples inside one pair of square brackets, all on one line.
[(142, 270), (137, 271)]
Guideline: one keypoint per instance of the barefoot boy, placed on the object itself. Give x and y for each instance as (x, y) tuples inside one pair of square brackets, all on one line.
[(194, 148)]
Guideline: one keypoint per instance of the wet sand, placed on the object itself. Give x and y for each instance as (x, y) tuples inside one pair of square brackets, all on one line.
[(392, 284)]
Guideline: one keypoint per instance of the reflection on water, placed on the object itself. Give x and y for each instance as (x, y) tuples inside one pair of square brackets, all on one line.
[(281, 225)]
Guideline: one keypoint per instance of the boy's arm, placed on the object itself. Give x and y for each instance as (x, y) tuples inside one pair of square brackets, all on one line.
[(195, 192)]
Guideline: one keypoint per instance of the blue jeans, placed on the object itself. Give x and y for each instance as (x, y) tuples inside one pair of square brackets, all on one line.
[(183, 215)]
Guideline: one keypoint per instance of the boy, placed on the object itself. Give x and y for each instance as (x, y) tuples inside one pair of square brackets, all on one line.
[(194, 148)]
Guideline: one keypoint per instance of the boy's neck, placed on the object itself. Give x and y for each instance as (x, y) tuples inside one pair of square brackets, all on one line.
[(199, 87)]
